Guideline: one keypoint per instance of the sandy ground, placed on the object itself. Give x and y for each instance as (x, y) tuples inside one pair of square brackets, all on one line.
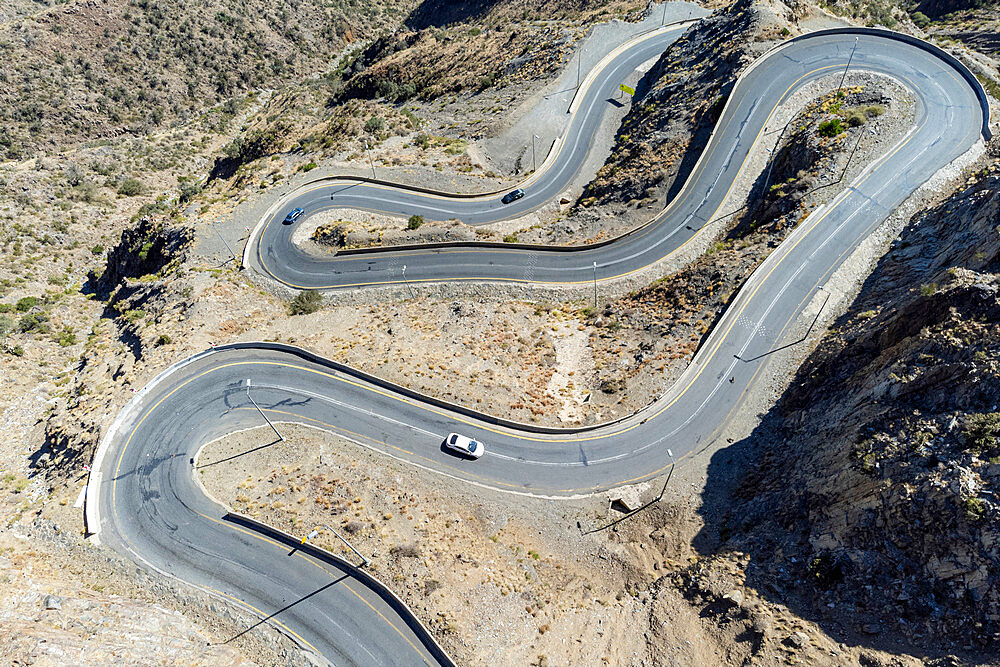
[(457, 551), (547, 582)]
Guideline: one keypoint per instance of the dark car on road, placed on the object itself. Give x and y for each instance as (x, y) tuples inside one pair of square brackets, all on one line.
[(293, 215), (513, 195)]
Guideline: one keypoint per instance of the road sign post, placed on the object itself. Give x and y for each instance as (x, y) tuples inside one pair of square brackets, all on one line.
[(627, 89)]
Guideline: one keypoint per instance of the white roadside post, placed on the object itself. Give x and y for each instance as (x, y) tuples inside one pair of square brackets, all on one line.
[(280, 437)]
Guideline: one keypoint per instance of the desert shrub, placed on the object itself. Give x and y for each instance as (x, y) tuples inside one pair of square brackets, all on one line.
[(975, 508), (415, 221), (831, 128), (982, 432), (826, 570), (97, 249), (33, 322), (7, 325), (374, 125), (856, 117), (306, 302), (26, 303), (66, 337), (130, 187), (405, 551), (189, 190), (920, 19)]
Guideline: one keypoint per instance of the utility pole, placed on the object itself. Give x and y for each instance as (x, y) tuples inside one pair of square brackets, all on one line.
[(534, 166), (853, 49), (663, 16), (364, 560), (579, 64), (370, 160), (280, 437), (595, 285)]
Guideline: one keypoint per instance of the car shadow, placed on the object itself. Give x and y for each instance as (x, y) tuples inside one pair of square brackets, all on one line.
[(457, 456)]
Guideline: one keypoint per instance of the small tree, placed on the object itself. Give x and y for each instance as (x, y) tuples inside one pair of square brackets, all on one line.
[(415, 221), (130, 187), (305, 303), (831, 128)]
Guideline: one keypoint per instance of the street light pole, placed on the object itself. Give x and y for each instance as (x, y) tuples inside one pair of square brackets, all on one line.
[(534, 166), (235, 261), (853, 49), (579, 62), (364, 560), (280, 437), (370, 160)]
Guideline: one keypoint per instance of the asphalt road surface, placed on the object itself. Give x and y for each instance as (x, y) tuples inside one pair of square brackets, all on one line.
[(151, 506)]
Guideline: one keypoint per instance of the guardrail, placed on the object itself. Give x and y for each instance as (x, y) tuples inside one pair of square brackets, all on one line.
[(312, 357), (398, 605)]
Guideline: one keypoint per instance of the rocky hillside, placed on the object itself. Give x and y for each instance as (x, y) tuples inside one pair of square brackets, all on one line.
[(89, 69), (872, 503), (453, 47), (678, 102)]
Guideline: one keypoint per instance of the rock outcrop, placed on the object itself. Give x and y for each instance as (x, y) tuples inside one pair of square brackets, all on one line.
[(875, 484)]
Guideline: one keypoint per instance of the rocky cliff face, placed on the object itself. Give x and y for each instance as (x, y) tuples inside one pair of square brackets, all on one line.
[(138, 284), (875, 485), (678, 102), (144, 249)]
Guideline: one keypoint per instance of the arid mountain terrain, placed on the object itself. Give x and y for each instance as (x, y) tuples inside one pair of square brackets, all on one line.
[(848, 515)]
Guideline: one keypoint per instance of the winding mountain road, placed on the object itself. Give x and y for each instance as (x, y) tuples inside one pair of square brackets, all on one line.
[(143, 497)]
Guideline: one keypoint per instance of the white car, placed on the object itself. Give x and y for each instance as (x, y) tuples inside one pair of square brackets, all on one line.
[(465, 445)]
